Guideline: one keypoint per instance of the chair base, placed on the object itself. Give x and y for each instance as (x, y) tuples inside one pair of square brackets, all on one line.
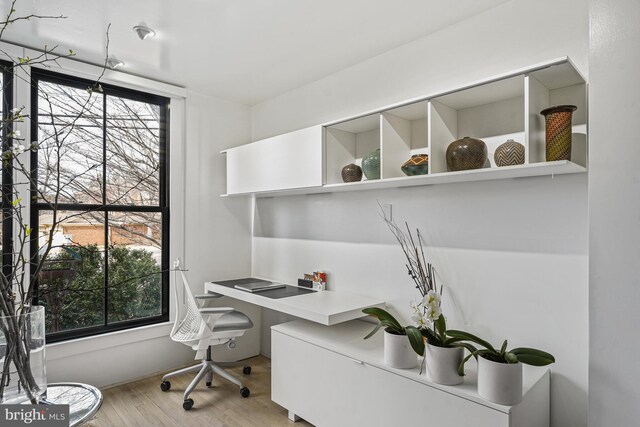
[(206, 369)]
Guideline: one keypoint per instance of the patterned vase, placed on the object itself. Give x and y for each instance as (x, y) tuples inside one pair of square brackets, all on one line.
[(558, 133), (510, 153), (351, 173), (466, 153), (371, 165), (418, 164)]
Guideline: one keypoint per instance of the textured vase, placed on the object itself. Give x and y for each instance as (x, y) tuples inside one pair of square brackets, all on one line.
[(466, 153), (351, 173), (510, 153), (558, 131), (24, 372), (500, 382), (371, 165), (398, 352), (418, 164), (442, 364)]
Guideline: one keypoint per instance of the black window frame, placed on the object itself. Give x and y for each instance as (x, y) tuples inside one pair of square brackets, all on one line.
[(38, 75), (6, 69)]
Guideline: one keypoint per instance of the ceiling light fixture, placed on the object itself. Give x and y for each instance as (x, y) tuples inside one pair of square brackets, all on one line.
[(144, 32), (113, 62)]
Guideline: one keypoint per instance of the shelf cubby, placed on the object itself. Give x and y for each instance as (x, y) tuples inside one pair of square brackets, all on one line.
[(557, 85), (348, 142), (404, 133), (493, 112)]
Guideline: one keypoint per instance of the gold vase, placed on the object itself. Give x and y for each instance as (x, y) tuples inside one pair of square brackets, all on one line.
[(558, 131)]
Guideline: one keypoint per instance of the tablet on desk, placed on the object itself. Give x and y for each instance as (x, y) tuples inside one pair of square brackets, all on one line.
[(259, 286)]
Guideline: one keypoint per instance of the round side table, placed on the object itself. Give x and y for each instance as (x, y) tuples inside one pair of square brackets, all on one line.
[(83, 400)]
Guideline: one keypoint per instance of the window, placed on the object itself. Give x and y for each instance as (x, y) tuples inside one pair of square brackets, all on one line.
[(101, 160), (6, 228)]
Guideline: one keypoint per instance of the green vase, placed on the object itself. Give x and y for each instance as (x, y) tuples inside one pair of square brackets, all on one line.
[(371, 165)]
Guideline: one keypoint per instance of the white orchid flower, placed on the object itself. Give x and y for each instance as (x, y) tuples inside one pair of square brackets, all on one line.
[(17, 134), (420, 321), (431, 299), (433, 312)]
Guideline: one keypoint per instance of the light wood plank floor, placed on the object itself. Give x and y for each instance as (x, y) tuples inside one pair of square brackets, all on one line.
[(142, 403)]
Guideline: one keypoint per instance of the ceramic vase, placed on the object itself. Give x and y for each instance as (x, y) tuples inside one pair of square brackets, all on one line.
[(558, 131), (371, 165), (24, 374), (508, 154), (418, 164), (398, 352), (466, 153), (442, 364), (351, 173), (500, 382)]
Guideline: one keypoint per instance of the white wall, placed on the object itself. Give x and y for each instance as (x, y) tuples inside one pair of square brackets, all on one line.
[(212, 236), (513, 254), (614, 202)]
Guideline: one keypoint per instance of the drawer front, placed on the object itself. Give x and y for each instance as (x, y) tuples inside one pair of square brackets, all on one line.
[(330, 389), (292, 160)]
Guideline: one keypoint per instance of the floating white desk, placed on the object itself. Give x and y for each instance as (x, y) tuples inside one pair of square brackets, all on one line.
[(324, 307)]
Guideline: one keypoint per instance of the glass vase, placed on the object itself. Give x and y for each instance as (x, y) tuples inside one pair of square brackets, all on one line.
[(23, 376)]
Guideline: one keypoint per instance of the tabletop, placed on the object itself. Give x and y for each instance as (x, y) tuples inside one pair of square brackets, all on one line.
[(83, 400)]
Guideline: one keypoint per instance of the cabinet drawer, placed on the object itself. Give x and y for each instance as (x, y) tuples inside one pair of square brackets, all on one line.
[(292, 160), (330, 389)]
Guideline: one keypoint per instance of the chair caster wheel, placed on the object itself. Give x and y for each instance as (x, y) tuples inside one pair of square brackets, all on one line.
[(246, 370), (187, 404), (165, 385), (208, 383), (244, 392)]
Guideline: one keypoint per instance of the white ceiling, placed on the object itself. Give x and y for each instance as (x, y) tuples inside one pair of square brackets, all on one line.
[(241, 50)]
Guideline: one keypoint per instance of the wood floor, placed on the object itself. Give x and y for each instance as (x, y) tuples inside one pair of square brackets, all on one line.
[(142, 403)]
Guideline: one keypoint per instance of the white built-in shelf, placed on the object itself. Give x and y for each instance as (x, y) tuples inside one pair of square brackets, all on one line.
[(502, 107), (561, 167)]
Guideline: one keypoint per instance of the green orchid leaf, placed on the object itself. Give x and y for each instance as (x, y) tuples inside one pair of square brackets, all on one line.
[(383, 316), (510, 357), (532, 356), (461, 366), (441, 326), (415, 338), (503, 349), (372, 333), (470, 337)]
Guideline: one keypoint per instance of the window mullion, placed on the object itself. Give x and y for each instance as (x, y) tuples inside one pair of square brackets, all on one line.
[(106, 213)]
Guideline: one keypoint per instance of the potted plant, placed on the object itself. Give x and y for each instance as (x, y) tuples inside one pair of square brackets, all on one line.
[(401, 343), (443, 352), (500, 371)]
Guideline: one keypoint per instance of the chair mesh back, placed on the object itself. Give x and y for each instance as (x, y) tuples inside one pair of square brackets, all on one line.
[(192, 327)]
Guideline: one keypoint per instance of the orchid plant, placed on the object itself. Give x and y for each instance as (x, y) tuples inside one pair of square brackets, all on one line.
[(427, 314)]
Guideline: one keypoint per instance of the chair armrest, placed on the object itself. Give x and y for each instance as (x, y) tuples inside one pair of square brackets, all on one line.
[(216, 310), (210, 295)]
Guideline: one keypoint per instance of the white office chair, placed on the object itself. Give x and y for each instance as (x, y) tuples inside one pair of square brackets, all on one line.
[(200, 328)]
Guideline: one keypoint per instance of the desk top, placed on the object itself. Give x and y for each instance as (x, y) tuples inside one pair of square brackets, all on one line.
[(324, 307)]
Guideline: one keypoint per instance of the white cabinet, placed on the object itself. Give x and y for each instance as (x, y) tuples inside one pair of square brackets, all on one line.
[(292, 160), (495, 109), (331, 376)]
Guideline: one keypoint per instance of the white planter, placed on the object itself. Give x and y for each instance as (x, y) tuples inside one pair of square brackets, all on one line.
[(442, 364), (500, 382), (398, 352)]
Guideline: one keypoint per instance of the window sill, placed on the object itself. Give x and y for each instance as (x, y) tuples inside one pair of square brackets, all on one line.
[(109, 340)]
